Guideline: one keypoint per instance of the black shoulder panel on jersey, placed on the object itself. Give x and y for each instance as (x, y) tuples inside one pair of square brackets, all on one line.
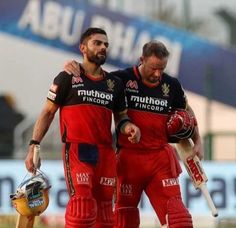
[(63, 83), (180, 100), (120, 103), (124, 74)]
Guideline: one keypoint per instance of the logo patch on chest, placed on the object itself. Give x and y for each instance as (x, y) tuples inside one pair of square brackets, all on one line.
[(165, 90), (110, 84)]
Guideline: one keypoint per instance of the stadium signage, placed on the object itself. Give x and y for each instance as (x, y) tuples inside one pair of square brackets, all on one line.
[(221, 184), (59, 24), (54, 21)]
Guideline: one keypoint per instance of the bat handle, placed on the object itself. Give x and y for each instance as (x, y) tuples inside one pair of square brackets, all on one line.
[(191, 142), (36, 155), (209, 200)]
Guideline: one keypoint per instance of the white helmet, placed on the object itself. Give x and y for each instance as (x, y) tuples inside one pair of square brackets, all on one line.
[(31, 197)]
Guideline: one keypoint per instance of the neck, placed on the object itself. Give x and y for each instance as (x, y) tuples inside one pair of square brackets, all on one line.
[(92, 69), (140, 69), (144, 80)]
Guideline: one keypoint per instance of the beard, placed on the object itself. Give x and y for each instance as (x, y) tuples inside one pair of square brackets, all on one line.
[(153, 79), (99, 59)]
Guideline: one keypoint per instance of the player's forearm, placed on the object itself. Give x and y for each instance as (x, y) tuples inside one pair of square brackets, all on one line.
[(42, 125), (196, 136), (126, 127), (198, 148), (121, 119), (190, 110), (44, 121)]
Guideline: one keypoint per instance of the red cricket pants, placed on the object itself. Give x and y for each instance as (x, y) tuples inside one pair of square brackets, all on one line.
[(153, 171)]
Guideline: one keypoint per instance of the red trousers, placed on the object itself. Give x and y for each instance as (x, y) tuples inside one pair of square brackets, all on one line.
[(91, 182), (153, 171)]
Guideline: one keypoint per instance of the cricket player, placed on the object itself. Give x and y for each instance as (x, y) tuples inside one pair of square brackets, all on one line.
[(86, 104), (151, 165)]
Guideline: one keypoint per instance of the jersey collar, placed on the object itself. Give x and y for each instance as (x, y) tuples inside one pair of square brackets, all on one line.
[(139, 77)]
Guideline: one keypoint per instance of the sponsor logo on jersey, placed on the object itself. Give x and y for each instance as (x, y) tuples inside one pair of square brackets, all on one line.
[(170, 182), (107, 181), (77, 81), (132, 84), (149, 103), (82, 178), (110, 84), (165, 90), (95, 96), (126, 189), (52, 96)]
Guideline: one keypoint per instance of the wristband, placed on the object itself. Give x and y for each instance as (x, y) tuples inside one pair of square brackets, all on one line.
[(121, 123), (34, 142)]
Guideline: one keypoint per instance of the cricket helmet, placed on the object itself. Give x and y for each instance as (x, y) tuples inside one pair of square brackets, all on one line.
[(181, 125), (31, 197)]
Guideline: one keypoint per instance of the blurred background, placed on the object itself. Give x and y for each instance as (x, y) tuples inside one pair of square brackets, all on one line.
[(38, 36)]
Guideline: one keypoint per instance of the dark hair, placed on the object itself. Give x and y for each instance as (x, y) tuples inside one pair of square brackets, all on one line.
[(91, 31), (155, 48)]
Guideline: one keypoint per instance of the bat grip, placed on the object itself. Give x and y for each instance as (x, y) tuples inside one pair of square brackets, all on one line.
[(209, 200), (36, 155), (191, 142)]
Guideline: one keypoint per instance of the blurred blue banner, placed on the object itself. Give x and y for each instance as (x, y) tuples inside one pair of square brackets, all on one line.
[(221, 185), (202, 67)]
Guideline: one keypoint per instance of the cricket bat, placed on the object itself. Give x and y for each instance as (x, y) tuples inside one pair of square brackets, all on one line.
[(195, 170), (28, 221)]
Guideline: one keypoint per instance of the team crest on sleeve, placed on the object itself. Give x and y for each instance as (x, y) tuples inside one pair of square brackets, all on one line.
[(110, 84), (52, 92), (51, 95), (166, 90)]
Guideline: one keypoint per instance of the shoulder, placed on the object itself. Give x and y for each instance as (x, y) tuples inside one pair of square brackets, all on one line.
[(63, 77), (124, 73), (171, 80), (114, 81), (113, 77)]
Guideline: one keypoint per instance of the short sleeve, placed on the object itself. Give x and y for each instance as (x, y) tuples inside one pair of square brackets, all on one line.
[(180, 99), (120, 102), (59, 89)]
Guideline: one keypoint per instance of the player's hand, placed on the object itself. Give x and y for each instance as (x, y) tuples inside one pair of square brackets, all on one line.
[(198, 149), (72, 67), (133, 132), (29, 164)]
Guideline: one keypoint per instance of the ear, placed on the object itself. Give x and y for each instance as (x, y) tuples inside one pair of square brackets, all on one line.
[(141, 59), (82, 48)]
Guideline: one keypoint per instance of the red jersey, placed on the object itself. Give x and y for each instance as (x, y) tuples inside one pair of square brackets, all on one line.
[(148, 107), (86, 106)]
